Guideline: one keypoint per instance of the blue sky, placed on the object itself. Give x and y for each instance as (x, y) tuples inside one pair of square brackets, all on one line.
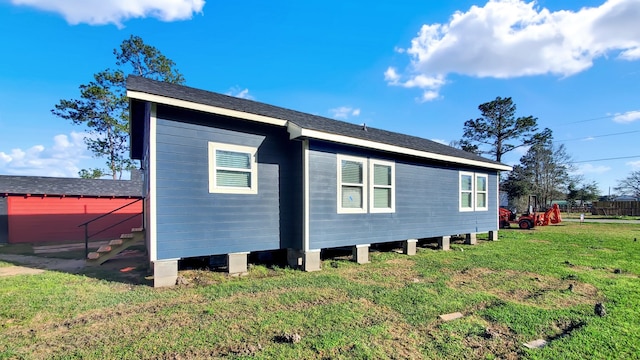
[(416, 67)]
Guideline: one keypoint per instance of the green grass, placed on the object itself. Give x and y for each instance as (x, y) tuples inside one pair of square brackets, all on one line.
[(587, 215), (511, 291)]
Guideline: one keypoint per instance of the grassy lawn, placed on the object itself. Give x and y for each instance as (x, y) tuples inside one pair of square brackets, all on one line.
[(588, 215), (536, 284)]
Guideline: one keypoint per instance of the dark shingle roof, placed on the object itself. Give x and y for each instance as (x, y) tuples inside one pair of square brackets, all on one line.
[(303, 120), (40, 185)]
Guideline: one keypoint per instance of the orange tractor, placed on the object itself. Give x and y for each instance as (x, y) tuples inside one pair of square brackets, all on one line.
[(532, 217)]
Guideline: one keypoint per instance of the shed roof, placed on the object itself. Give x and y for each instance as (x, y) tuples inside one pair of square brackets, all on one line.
[(41, 185), (299, 124)]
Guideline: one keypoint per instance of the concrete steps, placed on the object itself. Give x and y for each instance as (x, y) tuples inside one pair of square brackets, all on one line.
[(115, 247)]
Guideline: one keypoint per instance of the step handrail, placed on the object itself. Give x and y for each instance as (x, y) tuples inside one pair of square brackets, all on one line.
[(86, 224)]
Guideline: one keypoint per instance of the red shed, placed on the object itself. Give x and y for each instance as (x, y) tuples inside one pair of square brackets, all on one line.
[(46, 209)]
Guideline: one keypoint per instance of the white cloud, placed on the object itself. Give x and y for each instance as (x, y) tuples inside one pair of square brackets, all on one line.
[(61, 159), (514, 38), (635, 165), (440, 141), (429, 95), (590, 169), (629, 116), (103, 12), (391, 76), (240, 93), (344, 112)]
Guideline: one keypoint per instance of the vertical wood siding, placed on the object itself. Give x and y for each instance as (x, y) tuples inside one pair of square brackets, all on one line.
[(38, 219), (4, 221), (426, 203), (193, 222)]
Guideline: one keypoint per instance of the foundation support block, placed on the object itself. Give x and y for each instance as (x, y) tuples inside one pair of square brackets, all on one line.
[(361, 253), (444, 243), (237, 263), (493, 235), (306, 260), (470, 239), (165, 273), (409, 247)]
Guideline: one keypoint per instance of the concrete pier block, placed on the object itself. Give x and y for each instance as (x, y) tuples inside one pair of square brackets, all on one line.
[(409, 247), (307, 261), (237, 263), (444, 243), (470, 239), (493, 235), (361, 253), (165, 273)]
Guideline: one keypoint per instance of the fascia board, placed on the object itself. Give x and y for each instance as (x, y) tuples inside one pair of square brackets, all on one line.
[(205, 108), (296, 132)]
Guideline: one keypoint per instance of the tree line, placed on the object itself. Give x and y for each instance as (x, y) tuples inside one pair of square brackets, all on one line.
[(544, 170)]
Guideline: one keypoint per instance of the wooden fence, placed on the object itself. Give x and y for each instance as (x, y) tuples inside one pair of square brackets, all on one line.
[(616, 208)]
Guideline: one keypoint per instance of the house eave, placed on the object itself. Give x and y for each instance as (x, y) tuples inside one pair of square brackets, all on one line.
[(159, 99), (296, 132)]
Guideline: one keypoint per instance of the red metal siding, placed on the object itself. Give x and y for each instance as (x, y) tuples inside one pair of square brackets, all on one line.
[(37, 219)]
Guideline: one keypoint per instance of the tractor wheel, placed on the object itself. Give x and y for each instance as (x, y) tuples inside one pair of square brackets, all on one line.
[(525, 224), (505, 224)]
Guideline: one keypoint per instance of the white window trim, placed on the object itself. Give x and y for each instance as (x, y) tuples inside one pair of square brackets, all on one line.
[(476, 192), (472, 191), (372, 186), (213, 188), (363, 209)]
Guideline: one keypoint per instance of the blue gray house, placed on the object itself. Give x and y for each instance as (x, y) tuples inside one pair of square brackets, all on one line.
[(231, 176)]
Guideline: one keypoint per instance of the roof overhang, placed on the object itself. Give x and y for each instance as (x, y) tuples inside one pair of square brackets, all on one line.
[(296, 131), (205, 108)]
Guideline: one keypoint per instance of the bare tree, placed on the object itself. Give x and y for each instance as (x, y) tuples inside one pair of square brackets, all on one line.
[(630, 185), (543, 171)]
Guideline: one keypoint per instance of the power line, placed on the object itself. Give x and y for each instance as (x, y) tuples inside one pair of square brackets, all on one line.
[(615, 158), (599, 136), (601, 117)]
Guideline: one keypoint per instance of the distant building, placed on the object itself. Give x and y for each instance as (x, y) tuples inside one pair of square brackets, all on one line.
[(36, 209)]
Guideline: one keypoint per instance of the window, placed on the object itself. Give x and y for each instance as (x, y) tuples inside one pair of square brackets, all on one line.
[(382, 189), (359, 177), (474, 191), (352, 192), (466, 191), (232, 169), (481, 192)]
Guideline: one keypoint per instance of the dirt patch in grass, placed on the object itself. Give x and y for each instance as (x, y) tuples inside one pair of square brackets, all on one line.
[(525, 287), (72, 266), (496, 340), (284, 299), (19, 270), (476, 337), (102, 327), (399, 335), (394, 273)]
